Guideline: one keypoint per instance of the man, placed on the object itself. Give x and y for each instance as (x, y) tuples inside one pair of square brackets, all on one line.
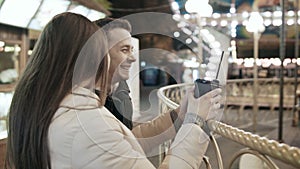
[(164, 127), (121, 53), (118, 101)]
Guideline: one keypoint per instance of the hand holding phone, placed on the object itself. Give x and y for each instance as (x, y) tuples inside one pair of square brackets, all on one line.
[(203, 86)]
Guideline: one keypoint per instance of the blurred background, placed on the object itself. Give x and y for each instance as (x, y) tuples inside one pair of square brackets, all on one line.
[(260, 40)]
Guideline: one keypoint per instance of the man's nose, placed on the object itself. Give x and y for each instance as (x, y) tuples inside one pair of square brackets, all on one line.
[(132, 57)]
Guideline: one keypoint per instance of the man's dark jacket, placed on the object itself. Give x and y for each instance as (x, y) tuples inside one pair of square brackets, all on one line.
[(120, 105)]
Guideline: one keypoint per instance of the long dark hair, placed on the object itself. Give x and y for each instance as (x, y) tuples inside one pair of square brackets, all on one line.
[(46, 80)]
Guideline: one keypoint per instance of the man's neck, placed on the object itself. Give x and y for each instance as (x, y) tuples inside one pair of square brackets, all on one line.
[(112, 86)]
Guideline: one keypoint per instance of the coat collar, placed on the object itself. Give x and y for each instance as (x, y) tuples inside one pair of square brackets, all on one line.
[(81, 98)]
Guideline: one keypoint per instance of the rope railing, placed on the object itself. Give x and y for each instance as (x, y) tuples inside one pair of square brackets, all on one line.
[(169, 97), (263, 145)]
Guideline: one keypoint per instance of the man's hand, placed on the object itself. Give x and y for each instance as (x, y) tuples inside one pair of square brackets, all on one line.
[(182, 109), (206, 105)]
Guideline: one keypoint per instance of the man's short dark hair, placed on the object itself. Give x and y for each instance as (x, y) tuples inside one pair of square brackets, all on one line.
[(111, 23)]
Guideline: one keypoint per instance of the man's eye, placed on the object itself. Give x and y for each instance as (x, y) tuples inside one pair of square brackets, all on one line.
[(125, 50)]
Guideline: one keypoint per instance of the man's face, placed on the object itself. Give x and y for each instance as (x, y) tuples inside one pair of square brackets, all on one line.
[(121, 54)]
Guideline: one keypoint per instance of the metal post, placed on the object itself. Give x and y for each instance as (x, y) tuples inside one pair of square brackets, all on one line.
[(282, 56), (256, 36), (295, 120)]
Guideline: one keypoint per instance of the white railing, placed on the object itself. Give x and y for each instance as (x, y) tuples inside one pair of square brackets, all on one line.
[(261, 147), (240, 92)]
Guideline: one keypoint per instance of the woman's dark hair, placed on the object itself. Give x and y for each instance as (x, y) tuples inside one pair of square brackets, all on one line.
[(47, 79)]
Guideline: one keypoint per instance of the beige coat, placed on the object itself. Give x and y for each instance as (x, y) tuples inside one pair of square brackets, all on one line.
[(82, 135)]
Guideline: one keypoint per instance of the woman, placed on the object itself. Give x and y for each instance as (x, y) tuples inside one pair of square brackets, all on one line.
[(61, 60), (57, 121)]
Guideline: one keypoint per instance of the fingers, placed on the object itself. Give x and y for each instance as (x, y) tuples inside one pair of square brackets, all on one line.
[(213, 95), (205, 106), (214, 115), (214, 92), (216, 106), (190, 90), (216, 99), (215, 112)]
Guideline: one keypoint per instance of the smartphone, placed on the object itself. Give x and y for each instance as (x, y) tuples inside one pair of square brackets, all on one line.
[(203, 86)]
